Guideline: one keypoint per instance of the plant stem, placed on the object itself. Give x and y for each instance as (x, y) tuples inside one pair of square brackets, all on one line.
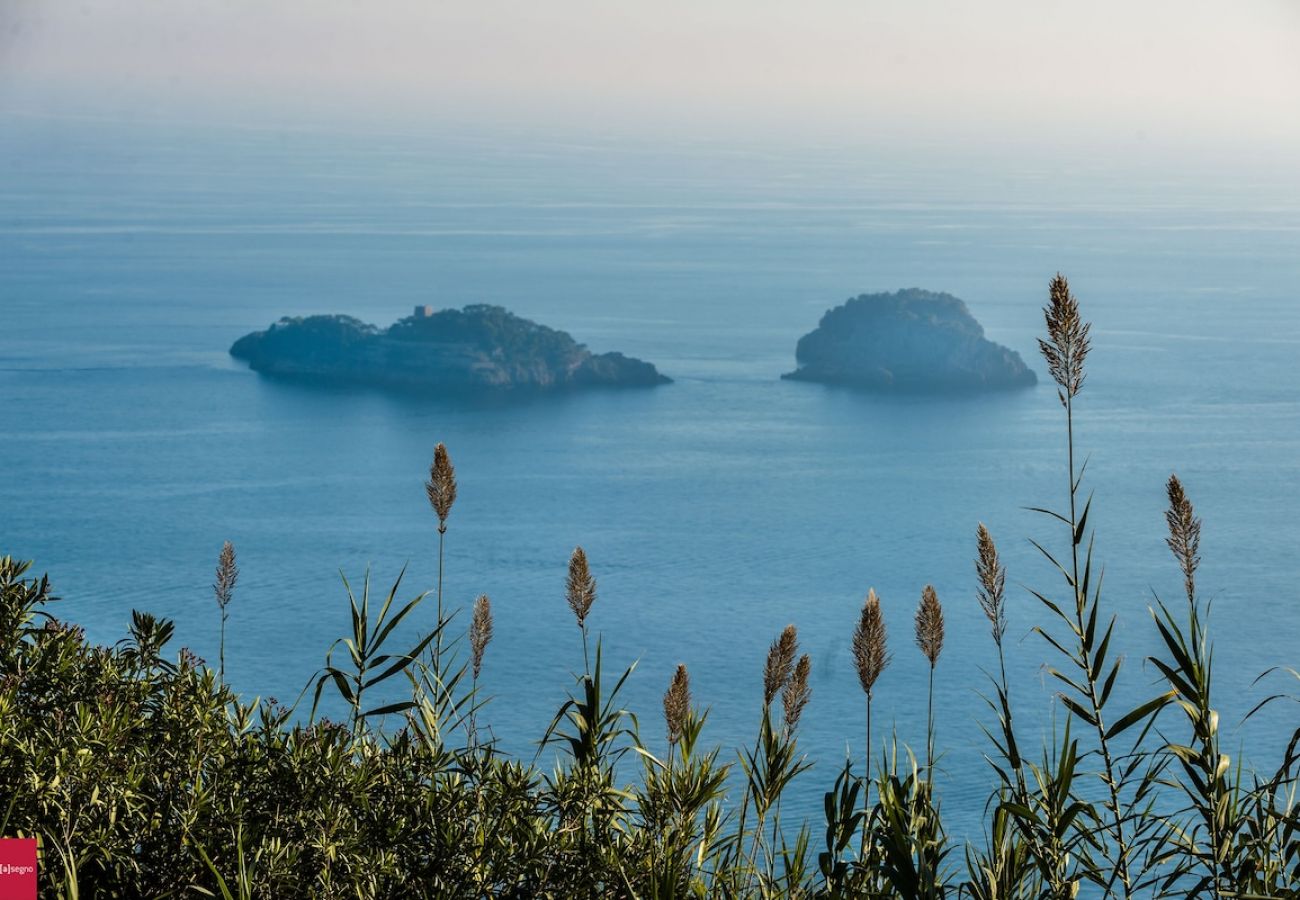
[(776, 832), (1017, 766), (473, 711), (437, 642), (866, 792), (1080, 604), (758, 841), (929, 728)]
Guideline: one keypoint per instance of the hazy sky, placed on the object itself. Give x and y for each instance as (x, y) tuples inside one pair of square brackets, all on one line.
[(1162, 71)]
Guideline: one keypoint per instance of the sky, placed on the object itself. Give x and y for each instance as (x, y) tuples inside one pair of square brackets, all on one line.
[(1115, 74)]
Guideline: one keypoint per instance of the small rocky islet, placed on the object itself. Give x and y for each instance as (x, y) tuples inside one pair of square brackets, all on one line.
[(908, 341), (479, 347)]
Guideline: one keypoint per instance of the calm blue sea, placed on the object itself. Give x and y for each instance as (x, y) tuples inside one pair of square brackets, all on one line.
[(714, 510)]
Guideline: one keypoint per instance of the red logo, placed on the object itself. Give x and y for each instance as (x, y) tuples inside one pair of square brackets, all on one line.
[(17, 869)]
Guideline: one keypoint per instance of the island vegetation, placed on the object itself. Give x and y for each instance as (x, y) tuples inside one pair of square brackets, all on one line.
[(143, 775), (910, 341), (478, 347)]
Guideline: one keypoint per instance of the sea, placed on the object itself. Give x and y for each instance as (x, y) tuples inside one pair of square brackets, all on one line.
[(714, 510)]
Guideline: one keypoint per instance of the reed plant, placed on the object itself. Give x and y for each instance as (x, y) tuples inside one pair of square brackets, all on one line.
[(1224, 840), (680, 801), (770, 767), (1032, 839), (1083, 633), (370, 662), (480, 635), (141, 774)]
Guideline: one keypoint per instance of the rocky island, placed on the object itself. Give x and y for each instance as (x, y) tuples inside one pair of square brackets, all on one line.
[(908, 341), (478, 347)]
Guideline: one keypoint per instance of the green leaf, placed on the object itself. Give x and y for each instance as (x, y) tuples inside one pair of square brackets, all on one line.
[(1110, 683), (1083, 522), (1048, 512), (1052, 559), (1152, 706), (1078, 710), (402, 706), (397, 619)]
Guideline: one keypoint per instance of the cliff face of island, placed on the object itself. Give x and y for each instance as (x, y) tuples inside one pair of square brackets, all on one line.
[(908, 341), (478, 347)]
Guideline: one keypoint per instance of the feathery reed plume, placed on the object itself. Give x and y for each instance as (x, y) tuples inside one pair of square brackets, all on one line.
[(480, 632), (780, 663), (441, 486), (1067, 341), (929, 625), (993, 584), (1184, 534), (580, 591), (796, 693), (869, 655), (227, 575), (581, 587), (677, 704), (224, 589)]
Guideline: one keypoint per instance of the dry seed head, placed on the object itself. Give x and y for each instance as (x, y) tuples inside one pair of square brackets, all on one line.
[(581, 588), (1184, 533), (993, 584), (227, 575), (677, 704), (1067, 343), (869, 656), (929, 625), (780, 663), (795, 694), (480, 631), (441, 486)]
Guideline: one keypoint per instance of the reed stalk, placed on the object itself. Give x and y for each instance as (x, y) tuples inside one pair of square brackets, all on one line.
[(761, 764), (441, 491), (1188, 669), (992, 579), (1065, 349), (224, 589), (870, 657), (480, 635), (929, 638)]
